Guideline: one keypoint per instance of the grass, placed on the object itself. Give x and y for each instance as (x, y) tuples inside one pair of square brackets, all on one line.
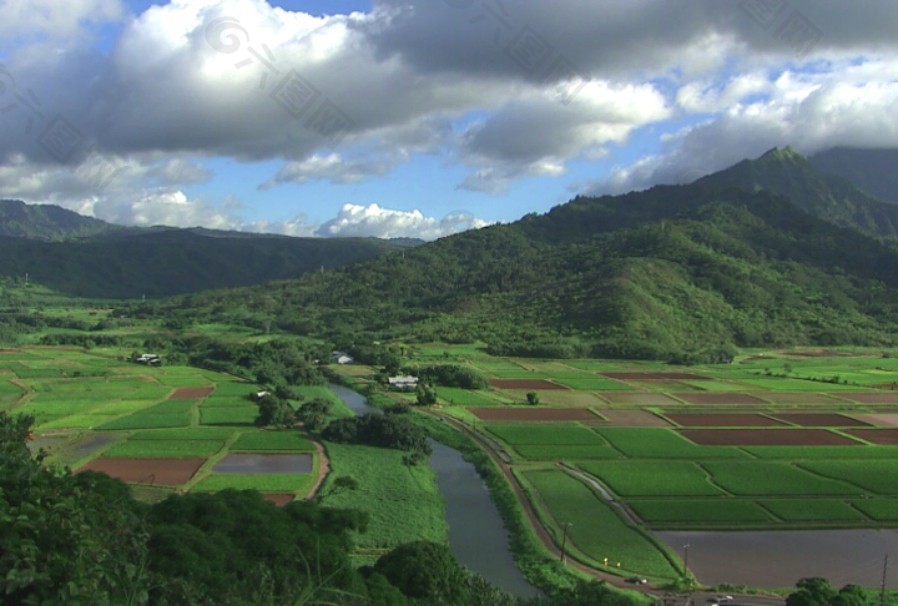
[(189, 433), (172, 413), (165, 448), (591, 383), (403, 502), (570, 501), (797, 453), (230, 415), (876, 476), (881, 510), (813, 510), (663, 443), (566, 451), (648, 478), (701, 512), (466, 397), (275, 441), (772, 478)]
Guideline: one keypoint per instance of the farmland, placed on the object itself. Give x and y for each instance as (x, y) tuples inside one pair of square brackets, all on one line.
[(166, 428), (617, 450)]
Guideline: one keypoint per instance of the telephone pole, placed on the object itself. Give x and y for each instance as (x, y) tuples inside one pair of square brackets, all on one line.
[(882, 592)]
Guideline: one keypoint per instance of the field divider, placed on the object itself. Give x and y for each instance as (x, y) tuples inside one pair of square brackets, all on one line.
[(205, 469)]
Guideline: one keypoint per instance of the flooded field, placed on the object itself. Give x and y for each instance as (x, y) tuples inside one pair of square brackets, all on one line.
[(264, 463), (780, 558)]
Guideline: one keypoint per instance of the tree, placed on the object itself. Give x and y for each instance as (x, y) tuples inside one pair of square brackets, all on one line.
[(313, 414), (532, 398), (425, 571), (426, 394), (274, 412)]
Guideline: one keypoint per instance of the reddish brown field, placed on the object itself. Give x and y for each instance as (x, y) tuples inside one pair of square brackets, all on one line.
[(720, 398), (534, 384), (883, 437), (880, 419), (534, 414), (820, 419), (654, 376), (726, 419), (871, 398), (279, 498), (190, 393), (766, 437), (147, 471)]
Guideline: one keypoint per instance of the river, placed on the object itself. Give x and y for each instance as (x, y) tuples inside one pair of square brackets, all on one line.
[(477, 535)]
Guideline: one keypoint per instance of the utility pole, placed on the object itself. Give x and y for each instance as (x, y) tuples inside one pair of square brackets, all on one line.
[(686, 559), (565, 526), (882, 592)]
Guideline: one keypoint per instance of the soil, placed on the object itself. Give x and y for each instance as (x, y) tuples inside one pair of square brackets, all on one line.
[(535, 384), (766, 437), (883, 437), (190, 393), (889, 419), (534, 414), (251, 463), (170, 472), (324, 468), (723, 420), (279, 498)]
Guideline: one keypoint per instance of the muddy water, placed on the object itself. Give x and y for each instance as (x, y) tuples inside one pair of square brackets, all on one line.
[(264, 463), (780, 558), (477, 535)]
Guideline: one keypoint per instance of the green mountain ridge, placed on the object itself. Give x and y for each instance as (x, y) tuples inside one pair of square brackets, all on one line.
[(48, 222), (830, 197), (676, 272)]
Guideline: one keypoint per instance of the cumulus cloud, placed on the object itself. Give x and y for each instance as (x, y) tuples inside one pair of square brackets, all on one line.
[(507, 90), (809, 111), (355, 220)]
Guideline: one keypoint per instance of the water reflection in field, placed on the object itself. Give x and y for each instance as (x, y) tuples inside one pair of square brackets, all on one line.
[(779, 558)]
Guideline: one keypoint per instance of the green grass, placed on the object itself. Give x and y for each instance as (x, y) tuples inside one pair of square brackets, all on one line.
[(700, 512), (275, 482), (188, 433), (230, 415), (9, 392), (813, 510), (587, 383), (876, 476), (596, 529), (881, 510), (548, 433), (648, 478), (172, 413), (663, 443), (542, 452), (796, 453), (772, 478), (165, 448), (280, 441), (404, 503)]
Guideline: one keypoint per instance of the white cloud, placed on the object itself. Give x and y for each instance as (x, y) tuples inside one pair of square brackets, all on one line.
[(54, 18), (355, 220)]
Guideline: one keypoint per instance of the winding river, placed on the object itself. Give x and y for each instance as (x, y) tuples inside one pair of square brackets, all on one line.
[(477, 535)]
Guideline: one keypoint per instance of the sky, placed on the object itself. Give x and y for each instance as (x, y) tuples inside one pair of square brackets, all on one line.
[(418, 118)]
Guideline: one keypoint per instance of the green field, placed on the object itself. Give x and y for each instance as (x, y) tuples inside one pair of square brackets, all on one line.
[(661, 443), (403, 502), (635, 478), (771, 478), (569, 501), (275, 441)]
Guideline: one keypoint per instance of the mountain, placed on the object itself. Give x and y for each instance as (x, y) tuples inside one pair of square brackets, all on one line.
[(830, 197), (682, 273), (81, 256), (875, 171), (48, 222), (162, 262)]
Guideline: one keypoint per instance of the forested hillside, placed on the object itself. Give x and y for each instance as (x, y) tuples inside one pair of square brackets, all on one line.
[(681, 273), (873, 170)]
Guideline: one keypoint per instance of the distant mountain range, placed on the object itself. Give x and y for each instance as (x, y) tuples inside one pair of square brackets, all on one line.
[(87, 257), (875, 171), (769, 252)]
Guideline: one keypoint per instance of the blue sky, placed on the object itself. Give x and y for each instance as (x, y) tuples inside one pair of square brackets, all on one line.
[(418, 118)]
